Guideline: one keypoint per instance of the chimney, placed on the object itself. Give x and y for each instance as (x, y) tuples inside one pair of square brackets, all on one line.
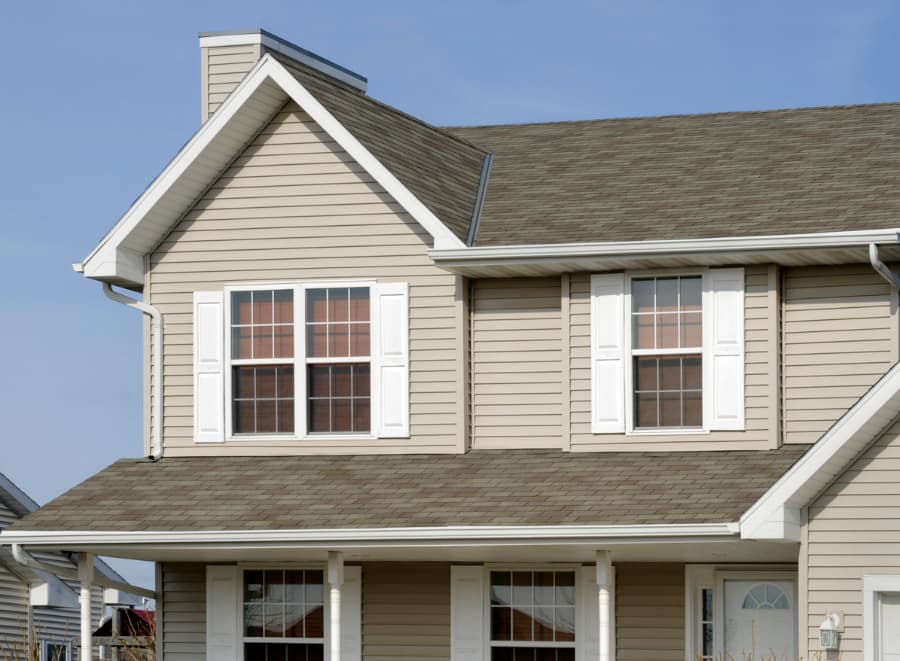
[(226, 57)]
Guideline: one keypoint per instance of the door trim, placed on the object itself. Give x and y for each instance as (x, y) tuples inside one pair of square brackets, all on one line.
[(874, 585)]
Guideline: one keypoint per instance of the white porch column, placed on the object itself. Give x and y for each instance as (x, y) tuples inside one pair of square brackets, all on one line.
[(335, 581), (86, 578), (604, 583)]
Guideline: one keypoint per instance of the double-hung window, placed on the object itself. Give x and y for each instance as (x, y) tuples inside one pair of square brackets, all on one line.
[(667, 352), (55, 651), (301, 360)]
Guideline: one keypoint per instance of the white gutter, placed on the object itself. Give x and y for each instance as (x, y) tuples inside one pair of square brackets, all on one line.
[(156, 444), (358, 537), (882, 268), (21, 556), (674, 246)]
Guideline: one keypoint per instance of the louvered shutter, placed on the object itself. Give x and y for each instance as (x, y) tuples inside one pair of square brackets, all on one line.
[(608, 353), (391, 343), (724, 330), (467, 617), (209, 367)]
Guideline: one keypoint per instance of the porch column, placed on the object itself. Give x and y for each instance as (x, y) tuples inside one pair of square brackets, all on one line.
[(335, 581), (604, 581), (86, 579)]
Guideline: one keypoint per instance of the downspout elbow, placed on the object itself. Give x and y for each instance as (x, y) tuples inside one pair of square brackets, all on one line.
[(156, 322), (883, 269)]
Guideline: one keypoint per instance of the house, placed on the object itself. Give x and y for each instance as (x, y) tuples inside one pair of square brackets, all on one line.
[(38, 609), (618, 389)]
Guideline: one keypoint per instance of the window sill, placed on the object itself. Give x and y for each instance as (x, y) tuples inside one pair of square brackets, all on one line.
[(669, 431)]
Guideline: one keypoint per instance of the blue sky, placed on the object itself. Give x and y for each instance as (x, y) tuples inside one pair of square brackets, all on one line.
[(97, 96)]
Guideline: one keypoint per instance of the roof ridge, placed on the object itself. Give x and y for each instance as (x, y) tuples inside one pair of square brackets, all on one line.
[(286, 61), (718, 113)]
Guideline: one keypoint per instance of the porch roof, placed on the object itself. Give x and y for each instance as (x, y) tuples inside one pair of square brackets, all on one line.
[(480, 488)]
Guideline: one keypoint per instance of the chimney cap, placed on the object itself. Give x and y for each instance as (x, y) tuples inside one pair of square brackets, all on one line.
[(275, 43)]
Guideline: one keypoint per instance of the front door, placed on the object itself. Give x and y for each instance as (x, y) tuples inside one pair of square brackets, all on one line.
[(760, 619)]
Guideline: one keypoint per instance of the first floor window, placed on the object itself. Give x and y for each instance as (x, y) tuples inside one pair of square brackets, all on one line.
[(54, 651), (284, 615), (532, 615)]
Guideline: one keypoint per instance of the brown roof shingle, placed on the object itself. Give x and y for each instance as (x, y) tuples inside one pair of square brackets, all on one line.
[(483, 487), (691, 176)]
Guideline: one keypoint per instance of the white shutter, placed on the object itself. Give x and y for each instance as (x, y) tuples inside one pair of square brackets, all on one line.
[(724, 330), (351, 614), (608, 353), (222, 612), (467, 617), (209, 368), (587, 617), (391, 358)]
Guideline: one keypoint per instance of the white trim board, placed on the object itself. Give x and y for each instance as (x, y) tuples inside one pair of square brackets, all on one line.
[(118, 258), (777, 514)]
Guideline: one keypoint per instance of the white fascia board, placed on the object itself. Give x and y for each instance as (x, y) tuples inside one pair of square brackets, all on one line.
[(776, 515), (380, 536), (486, 256), (112, 260)]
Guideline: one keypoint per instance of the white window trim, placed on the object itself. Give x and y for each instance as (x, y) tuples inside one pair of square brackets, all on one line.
[(630, 429), (488, 568), (699, 577), (299, 361), (874, 585), (251, 566), (45, 654)]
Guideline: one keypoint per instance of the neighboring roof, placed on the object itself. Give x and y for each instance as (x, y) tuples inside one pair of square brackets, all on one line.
[(777, 514), (480, 488), (691, 176), (439, 168)]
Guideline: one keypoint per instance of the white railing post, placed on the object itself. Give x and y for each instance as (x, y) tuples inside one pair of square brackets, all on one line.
[(86, 579), (604, 581), (335, 581)]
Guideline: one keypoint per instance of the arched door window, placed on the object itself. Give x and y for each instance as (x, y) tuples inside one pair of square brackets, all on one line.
[(766, 596)]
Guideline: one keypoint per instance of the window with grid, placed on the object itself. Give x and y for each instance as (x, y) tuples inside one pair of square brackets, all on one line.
[(338, 360), (532, 615), (284, 615), (667, 349)]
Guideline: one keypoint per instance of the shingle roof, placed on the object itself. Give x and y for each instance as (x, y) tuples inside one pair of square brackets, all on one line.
[(692, 176), (483, 487), (442, 170)]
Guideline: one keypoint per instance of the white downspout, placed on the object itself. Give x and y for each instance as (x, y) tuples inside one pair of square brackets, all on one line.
[(156, 443), (335, 581), (86, 580), (604, 582), (883, 269)]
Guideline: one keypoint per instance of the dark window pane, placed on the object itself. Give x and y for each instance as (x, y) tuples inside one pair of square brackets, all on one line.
[(253, 586), (691, 293), (285, 383), (244, 417), (276, 652), (670, 409), (316, 309), (338, 305), (284, 341), (314, 586), (296, 653), (362, 415), (253, 619), (707, 605), (340, 381), (501, 623), (319, 380), (293, 586), (319, 415), (317, 340), (359, 304), (341, 415), (523, 618), (645, 410), (274, 586), (693, 375), (284, 306), (545, 654), (642, 295), (691, 331), (263, 342), (262, 307), (240, 307), (693, 409), (524, 654), (522, 593), (265, 382), (315, 621), (543, 624), (241, 342), (293, 620), (285, 422), (666, 294), (565, 589), (667, 331), (543, 588), (645, 374), (670, 374), (565, 624), (360, 341), (255, 652), (317, 653), (338, 340), (362, 380), (644, 331), (501, 590), (243, 384), (502, 654), (266, 414), (566, 654)]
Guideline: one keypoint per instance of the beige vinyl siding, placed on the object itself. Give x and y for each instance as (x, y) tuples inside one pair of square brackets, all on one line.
[(516, 363), (649, 611), (760, 353), (13, 611), (222, 68), (293, 207), (853, 529), (184, 611), (406, 611), (840, 337)]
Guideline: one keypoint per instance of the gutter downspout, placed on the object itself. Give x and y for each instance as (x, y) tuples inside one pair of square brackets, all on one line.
[(156, 443), (21, 556), (883, 269)]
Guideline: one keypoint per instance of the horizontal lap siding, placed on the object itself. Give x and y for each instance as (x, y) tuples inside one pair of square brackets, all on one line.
[(649, 612), (184, 611), (406, 611), (839, 338), (854, 529), (314, 216), (13, 612), (760, 369), (226, 66), (516, 363)]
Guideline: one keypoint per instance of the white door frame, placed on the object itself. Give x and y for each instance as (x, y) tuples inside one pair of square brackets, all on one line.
[(874, 585)]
